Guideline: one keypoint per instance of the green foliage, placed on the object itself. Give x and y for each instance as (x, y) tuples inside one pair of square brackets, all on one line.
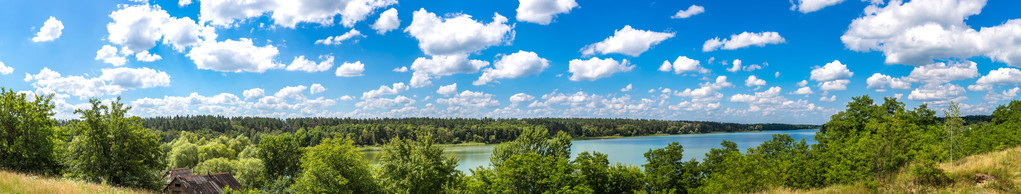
[(184, 154), (533, 140), (334, 166), (27, 136), (280, 155), (215, 150), (595, 172), (926, 173), (409, 166), (668, 172), (109, 147)]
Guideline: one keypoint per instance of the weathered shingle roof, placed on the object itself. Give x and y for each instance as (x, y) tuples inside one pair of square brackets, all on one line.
[(211, 183)]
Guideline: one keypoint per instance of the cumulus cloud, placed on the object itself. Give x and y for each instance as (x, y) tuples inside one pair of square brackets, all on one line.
[(515, 65), (708, 92), (147, 57), (350, 69), (681, 65), (385, 103), (442, 65), (627, 41), (745, 39), (808, 6), (301, 64), (5, 70), (110, 81), (447, 90), (337, 40), (316, 88), (626, 88), (770, 101), (235, 56), (385, 90), (880, 83), (736, 67), (804, 91), (1001, 76), (387, 21), (831, 71), (936, 73), (834, 85), (289, 13), (50, 31), (401, 69), (457, 35), (289, 98), (520, 98), (938, 94), (595, 68), (543, 11), (1002, 96), (691, 11), (754, 81), (139, 27), (255, 93), (109, 54), (829, 99), (916, 32), (469, 99)]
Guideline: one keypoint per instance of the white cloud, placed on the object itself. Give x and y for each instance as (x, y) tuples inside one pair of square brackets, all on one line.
[(515, 65), (384, 103), (347, 98), (938, 94), (881, 82), (831, 71), (350, 69), (595, 68), (235, 56), (808, 6), (803, 83), (147, 57), (834, 85), (830, 99), (770, 102), (458, 34), (316, 88), (626, 88), (708, 92), (804, 91), (745, 39), (1001, 76), (110, 82), (942, 73), (469, 99), (520, 98), (543, 11), (50, 31), (289, 13), (337, 40), (183, 3), (691, 11), (1005, 95), (682, 64), (108, 54), (736, 67), (754, 81), (401, 69), (916, 32), (255, 93), (447, 90), (627, 41), (385, 90), (5, 70), (439, 65), (387, 21), (301, 64), (138, 28)]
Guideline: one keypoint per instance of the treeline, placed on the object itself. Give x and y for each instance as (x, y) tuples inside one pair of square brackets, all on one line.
[(445, 130), (866, 143)]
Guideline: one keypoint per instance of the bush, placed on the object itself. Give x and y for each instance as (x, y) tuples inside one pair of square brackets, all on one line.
[(926, 173)]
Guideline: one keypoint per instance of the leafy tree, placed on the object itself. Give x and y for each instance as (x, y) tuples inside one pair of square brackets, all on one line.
[(280, 155), (668, 172), (334, 166), (533, 173), (408, 166), (184, 154), (595, 171), (110, 147), (215, 150), (27, 133), (533, 140)]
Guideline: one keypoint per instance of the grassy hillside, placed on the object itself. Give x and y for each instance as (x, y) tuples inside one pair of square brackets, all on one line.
[(995, 172), (11, 182)]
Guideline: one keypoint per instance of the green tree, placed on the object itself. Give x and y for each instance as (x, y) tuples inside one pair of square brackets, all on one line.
[(112, 148), (280, 155), (26, 133), (594, 170), (668, 172), (184, 154), (409, 166), (334, 166)]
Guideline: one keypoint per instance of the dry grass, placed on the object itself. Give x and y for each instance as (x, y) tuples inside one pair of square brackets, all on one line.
[(1004, 165), (11, 182)]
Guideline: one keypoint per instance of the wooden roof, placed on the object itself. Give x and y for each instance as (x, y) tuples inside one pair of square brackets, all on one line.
[(211, 183)]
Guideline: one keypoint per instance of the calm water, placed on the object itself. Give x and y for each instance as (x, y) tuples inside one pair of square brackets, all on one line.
[(631, 150)]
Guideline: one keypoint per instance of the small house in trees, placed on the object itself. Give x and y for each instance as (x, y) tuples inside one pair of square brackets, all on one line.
[(182, 181)]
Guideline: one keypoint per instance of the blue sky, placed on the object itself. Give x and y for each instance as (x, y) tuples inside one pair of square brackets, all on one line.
[(529, 58)]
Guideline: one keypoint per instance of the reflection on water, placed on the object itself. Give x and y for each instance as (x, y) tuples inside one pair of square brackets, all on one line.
[(630, 150)]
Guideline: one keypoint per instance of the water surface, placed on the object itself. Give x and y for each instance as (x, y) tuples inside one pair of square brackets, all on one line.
[(631, 150)]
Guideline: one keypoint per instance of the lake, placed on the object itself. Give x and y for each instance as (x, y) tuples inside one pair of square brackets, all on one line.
[(631, 150)]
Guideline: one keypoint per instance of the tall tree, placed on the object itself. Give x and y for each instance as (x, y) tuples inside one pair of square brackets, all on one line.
[(27, 133), (409, 166), (280, 155), (334, 166), (112, 148)]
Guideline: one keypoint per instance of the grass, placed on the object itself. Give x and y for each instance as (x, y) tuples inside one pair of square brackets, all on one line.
[(12, 182), (1004, 166)]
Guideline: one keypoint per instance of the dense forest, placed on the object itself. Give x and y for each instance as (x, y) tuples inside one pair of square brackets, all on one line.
[(444, 130), (867, 143)]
